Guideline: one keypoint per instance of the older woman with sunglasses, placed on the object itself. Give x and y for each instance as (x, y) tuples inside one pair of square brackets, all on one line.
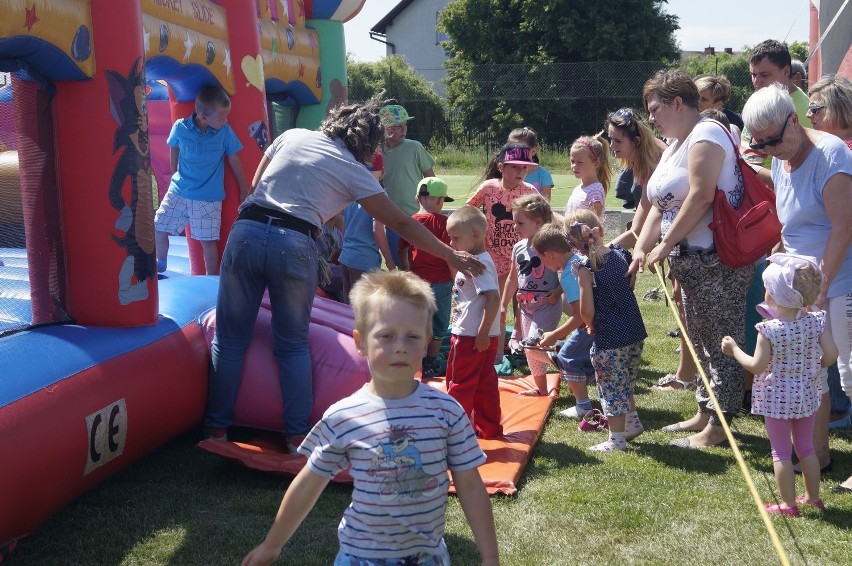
[(701, 157), (812, 175)]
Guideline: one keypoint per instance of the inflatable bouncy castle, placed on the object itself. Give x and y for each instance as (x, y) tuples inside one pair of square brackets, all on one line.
[(102, 362)]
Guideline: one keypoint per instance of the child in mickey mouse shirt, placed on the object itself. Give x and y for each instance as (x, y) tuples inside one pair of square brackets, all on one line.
[(504, 182)]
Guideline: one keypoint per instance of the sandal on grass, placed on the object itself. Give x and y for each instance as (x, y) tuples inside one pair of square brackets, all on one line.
[(670, 381)]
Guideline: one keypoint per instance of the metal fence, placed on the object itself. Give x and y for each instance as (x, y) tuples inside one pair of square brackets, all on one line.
[(561, 101)]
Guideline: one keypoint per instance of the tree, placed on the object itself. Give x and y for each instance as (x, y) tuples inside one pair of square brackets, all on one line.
[(508, 58), (401, 83)]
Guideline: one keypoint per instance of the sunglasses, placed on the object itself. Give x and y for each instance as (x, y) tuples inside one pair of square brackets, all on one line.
[(813, 107), (625, 118), (772, 142)]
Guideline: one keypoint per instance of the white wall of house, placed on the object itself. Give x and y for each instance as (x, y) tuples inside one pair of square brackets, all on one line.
[(415, 37)]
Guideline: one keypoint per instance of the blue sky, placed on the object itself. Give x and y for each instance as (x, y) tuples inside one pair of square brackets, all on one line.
[(720, 23)]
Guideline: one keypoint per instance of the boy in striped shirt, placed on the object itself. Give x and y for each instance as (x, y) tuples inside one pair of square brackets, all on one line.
[(397, 438)]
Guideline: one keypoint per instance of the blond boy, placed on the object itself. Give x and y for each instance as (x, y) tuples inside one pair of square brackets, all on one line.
[(397, 437), (471, 377)]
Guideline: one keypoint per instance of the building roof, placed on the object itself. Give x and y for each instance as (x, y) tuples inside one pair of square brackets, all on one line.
[(383, 24)]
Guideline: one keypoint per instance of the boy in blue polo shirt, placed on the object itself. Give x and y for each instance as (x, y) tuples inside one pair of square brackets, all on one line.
[(198, 144)]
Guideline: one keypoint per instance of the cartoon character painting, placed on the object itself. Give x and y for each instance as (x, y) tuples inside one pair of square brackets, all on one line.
[(398, 461), (134, 201)]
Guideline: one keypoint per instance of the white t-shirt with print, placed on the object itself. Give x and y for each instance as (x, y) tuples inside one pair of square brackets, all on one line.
[(469, 302), (669, 184)]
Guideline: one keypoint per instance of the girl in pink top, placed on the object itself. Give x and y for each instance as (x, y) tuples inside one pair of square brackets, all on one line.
[(590, 164), (504, 182)]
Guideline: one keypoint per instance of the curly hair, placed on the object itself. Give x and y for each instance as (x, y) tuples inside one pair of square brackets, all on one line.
[(358, 126)]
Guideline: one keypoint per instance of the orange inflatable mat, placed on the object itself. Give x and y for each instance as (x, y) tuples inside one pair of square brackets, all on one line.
[(523, 421)]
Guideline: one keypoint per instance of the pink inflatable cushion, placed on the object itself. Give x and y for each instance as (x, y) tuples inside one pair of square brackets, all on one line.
[(338, 369)]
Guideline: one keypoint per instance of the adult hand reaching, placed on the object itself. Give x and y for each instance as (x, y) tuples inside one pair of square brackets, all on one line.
[(466, 263)]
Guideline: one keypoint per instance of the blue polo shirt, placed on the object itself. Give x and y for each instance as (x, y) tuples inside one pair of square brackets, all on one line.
[(201, 165)]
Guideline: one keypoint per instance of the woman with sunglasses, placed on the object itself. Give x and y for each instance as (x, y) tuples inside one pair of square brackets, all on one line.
[(701, 157), (830, 107), (638, 152), (812, 175)]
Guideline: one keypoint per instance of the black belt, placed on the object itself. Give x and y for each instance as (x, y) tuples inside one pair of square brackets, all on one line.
[(278, 219)]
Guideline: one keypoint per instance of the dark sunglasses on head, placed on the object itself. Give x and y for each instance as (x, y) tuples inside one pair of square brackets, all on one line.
[(623, 114), (772, 142), (813, 107)]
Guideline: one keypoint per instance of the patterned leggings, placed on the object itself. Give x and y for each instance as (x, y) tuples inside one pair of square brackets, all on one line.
[(714, 298), (616, 370)]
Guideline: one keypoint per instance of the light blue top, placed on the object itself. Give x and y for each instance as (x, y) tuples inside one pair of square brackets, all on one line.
[(801, 209), (539, 178), (201, 166), (359, 244), (570, 286)]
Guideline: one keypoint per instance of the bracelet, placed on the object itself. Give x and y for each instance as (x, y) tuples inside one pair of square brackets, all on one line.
[(635, 235)]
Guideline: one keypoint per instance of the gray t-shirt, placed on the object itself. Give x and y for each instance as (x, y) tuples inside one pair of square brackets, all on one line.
[(311, 177)]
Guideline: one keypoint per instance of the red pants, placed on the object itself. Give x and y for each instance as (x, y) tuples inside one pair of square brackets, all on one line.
[(472, 381)]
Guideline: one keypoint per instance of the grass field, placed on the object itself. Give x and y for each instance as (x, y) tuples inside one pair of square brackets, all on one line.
[(654, 504)]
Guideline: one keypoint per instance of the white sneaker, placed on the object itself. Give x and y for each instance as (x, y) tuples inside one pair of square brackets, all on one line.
[(573, 413)]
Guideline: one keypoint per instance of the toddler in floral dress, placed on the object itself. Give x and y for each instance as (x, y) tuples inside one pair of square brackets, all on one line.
[(792, 346)]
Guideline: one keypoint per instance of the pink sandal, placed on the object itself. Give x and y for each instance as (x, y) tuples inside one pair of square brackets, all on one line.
[(818, 504), (777, 509)]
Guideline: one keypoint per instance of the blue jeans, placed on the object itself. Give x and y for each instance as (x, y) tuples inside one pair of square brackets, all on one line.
[(258, 257), (840, 403), (574, 360)]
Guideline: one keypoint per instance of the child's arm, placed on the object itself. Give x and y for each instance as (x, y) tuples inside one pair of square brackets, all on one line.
[(554, 296), (597, 206), (174, 158), (237, 167), (510, 288), (477, 508), (492, 307), (404, 256), (574, 322), (587, 302), (755, 364), (829, 349), (300, 498), (381, 238)]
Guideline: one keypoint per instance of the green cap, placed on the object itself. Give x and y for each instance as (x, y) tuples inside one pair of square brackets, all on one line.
[(433, 187), (393, 115)]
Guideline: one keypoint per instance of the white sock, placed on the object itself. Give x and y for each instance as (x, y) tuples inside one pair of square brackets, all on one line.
[(618, 438)]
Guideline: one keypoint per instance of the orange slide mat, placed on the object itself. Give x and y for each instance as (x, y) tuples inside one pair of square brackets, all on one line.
[(523, 421)]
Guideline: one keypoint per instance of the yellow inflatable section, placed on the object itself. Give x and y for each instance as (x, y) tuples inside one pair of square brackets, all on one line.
[(65, 25), (189, 33), (290, 53)]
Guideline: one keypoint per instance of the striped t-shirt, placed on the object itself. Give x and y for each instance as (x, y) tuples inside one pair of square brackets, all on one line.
[(398, 452)]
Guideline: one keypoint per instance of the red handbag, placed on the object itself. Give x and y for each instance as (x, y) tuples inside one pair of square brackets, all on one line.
[(743, 234)]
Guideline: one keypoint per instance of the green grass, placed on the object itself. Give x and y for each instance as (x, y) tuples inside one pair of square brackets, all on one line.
[(653, 504)]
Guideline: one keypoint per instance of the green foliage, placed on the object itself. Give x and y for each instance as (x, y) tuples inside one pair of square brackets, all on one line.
[(799, 50), (527, 62), (401, 83)]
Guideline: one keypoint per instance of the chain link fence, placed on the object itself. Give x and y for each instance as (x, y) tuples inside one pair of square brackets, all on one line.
[(561, 101)]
